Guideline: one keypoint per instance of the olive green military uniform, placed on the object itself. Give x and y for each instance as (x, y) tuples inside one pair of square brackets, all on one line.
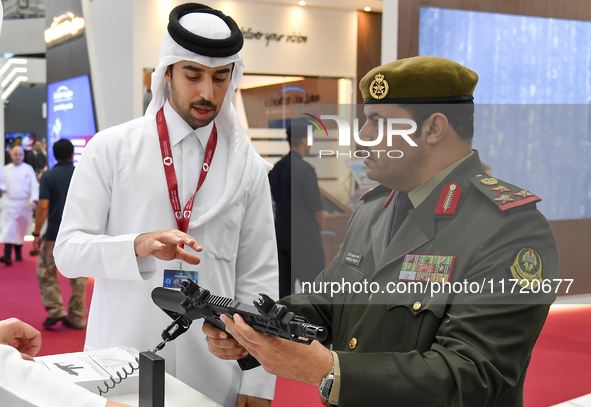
[(430, 350)]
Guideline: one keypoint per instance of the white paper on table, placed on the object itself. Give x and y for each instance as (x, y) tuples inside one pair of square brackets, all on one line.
[(91, 369)]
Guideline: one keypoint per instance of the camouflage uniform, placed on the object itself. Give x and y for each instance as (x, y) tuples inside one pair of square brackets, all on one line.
[(50, 290)]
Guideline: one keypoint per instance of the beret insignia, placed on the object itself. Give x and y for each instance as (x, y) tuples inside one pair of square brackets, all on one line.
[(379, 87)]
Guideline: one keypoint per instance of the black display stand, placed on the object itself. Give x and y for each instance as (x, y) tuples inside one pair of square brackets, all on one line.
[(152, 373)]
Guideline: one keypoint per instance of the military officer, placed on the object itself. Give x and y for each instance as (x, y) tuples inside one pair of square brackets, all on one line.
[(439, 277)]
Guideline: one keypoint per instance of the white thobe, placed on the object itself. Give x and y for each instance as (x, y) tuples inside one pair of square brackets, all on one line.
[(119, 190), (21, 189), (23, 383)]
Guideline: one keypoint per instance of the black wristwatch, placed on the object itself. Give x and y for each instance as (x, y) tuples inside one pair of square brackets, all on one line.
[(35, 234), (326, 384)]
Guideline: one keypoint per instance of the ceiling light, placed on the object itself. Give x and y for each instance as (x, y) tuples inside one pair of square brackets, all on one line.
[(302, 3), (367, 9)]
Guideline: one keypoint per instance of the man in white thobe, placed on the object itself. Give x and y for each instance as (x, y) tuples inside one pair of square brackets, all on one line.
[(21, 194), (121, 226)]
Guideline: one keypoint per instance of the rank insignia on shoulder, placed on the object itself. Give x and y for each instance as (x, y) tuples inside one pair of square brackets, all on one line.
[(527, 267), (500, 189), (523, 193), (489, 181), (504, 198), (448, 200), (501, 194)]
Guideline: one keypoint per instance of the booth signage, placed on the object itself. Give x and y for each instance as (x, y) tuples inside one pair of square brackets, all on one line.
[(250, 34)]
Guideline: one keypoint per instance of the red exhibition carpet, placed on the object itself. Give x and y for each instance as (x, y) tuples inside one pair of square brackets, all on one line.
[(560, 369)]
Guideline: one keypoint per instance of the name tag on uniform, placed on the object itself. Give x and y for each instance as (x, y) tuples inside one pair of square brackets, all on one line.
[(174, 278), (353, 258), (426, 268)]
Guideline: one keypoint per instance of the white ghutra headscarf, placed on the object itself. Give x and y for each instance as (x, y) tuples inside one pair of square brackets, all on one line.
[(207, 26)]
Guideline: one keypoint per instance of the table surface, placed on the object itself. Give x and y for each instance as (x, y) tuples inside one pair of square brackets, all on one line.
[(177, 394)]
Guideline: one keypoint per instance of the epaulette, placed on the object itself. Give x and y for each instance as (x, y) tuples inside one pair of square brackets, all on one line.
[(376, 192), (503, 194)]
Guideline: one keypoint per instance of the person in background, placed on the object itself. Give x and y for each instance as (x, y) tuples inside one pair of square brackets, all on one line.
[(299, 215), (18, 141), (36, 158), (24, 383), (21, 193), (53, 189)]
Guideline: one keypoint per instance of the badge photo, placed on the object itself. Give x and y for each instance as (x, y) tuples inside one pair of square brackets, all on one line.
[(174, 278)]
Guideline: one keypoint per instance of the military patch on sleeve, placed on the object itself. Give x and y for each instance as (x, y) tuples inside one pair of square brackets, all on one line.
[(527, 267), (505, 196)]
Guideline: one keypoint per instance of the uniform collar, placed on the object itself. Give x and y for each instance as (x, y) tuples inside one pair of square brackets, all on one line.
[(420, 193), (178, 128)]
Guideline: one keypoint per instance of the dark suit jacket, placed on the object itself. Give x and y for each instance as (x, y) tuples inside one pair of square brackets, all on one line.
[(37, 160), (453, 349)]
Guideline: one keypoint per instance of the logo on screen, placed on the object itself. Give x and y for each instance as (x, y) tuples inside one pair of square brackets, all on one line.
[(62, 99)]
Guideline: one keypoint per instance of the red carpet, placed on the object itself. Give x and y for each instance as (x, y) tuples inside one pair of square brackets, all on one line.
[(560, 369), (20, 298)]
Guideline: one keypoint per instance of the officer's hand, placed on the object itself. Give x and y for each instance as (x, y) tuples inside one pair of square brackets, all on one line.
[(295, 361), (250, 401), (37, 243), (164, 245), (221, 345), (24, 337)]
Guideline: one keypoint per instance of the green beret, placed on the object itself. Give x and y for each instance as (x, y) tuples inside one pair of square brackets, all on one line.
[(423, 79)]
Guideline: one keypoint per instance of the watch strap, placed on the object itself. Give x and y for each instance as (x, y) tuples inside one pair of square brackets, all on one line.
[(326, 384)]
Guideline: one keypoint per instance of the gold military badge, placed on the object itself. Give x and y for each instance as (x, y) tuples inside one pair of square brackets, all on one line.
[(489, 181), (527, 267), (379, 87)]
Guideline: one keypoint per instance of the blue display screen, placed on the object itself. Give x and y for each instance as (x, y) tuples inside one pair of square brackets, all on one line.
[(519, 59), (70, 115), (532, 117)]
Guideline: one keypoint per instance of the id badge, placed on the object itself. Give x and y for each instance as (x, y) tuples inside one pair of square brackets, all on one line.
[(174, 278)]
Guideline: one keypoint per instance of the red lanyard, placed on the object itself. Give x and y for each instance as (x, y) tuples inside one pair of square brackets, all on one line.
[(182, 219)]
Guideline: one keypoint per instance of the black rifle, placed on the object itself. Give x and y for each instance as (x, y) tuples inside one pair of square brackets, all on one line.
[(193, 302)]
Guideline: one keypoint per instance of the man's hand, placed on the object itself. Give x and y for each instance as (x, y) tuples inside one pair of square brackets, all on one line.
[(164, 245), (37, 243), (250, 401), (33, 206), (221, 345), (295, 361), (25, 338), (228, 348)]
